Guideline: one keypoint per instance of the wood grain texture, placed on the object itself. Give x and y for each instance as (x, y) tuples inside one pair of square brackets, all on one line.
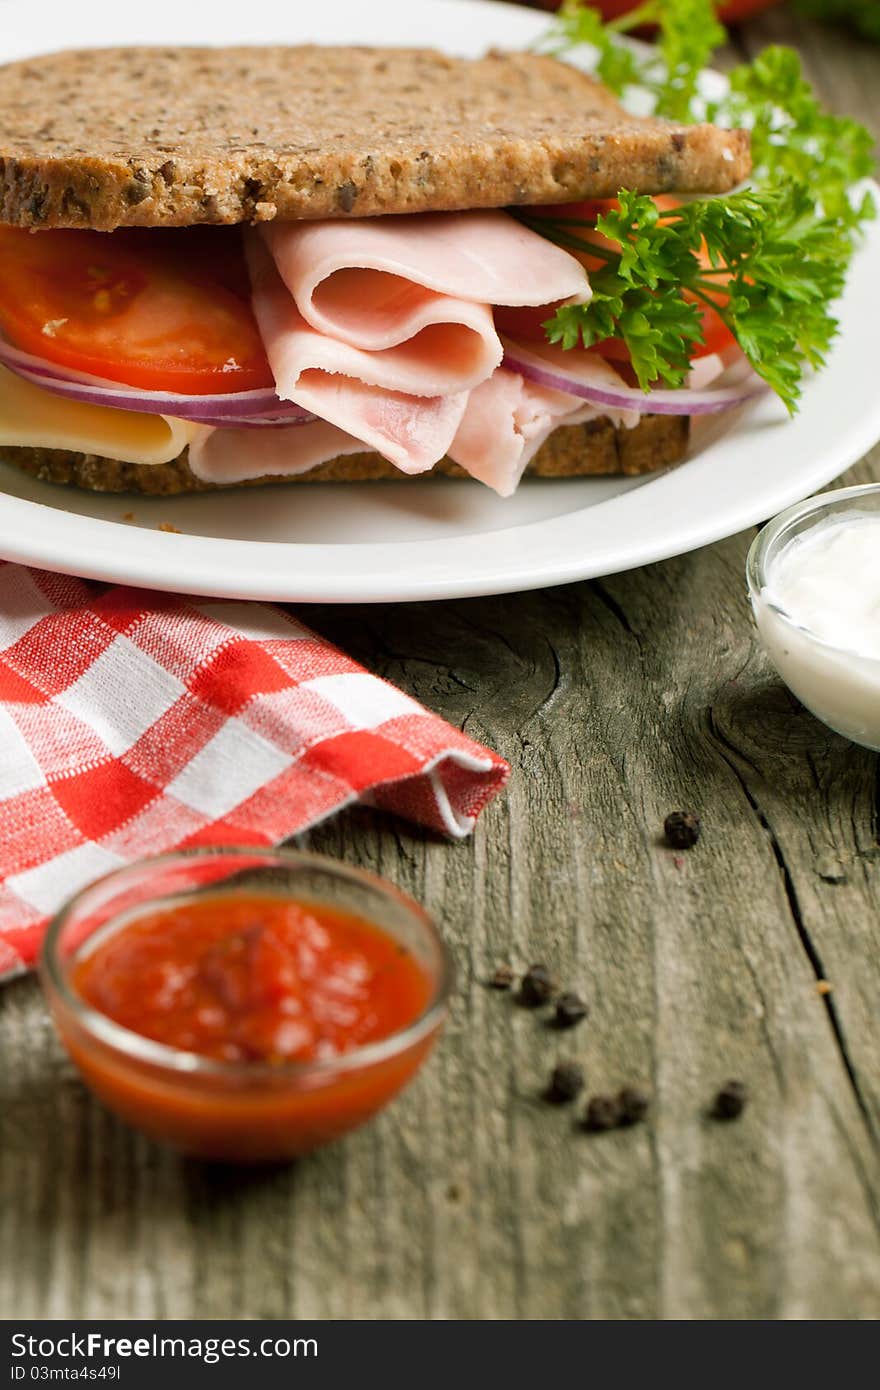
[(616, 701)]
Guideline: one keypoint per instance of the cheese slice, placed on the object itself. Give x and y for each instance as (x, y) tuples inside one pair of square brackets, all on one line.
[(31, 418)]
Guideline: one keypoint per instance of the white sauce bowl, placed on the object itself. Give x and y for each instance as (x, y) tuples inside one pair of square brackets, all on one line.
[(811, 594)]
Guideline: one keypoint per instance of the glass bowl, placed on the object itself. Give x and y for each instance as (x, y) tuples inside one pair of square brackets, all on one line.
[(837, 684), (238, 1111)]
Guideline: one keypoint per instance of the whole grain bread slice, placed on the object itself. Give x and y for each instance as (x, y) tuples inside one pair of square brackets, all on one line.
[(157, 137), (573, 451)]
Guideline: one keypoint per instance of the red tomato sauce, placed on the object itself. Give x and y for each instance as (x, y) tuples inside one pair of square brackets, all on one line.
[(254, 979), (260, 982)]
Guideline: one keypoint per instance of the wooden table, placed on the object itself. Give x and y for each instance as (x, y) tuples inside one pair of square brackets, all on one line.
[(615, 701)]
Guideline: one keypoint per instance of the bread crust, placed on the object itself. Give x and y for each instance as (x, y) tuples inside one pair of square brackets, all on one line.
[(157, 137), (572, 451)]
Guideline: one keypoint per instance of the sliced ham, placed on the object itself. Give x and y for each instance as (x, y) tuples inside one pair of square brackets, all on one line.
[(406, 402), (501, 425), (411, 435), (445, 358), (378, 282), (506, 421), (238, 456), (384, 329), (412, 432)]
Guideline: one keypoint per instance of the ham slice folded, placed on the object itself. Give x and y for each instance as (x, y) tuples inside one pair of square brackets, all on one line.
[(506, 421), (412, 432), (380, 281), (225, 456), (406, 402), (504, 424), (448, 356), (383, 328)]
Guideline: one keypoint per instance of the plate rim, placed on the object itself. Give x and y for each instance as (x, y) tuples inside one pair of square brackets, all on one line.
[(534, 554)]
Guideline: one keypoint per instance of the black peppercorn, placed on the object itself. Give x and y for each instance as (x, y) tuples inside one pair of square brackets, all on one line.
[(570, 1009), (633, 1105), (501, 978), (537, 986), (730, 1100), (603, 1112), (682, 829), (566, 1082)]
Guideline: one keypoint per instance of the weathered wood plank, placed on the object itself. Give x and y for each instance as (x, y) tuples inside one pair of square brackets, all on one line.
[(722, 944), (470, 1198), (615, 701)]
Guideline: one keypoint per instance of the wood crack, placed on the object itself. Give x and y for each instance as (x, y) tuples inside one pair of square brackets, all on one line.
[(729, 753), (614, 608), (868, 1191), (556, 682)]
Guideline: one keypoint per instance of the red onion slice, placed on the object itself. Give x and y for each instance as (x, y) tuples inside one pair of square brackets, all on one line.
[(592, 379), (245, 408)]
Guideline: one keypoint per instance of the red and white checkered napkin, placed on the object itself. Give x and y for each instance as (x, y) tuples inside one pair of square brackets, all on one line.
[(135, 722)]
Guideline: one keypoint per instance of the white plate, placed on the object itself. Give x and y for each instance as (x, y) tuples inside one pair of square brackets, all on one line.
[(418, 540)]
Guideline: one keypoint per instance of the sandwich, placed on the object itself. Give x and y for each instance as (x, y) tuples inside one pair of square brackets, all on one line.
[(231, 266)]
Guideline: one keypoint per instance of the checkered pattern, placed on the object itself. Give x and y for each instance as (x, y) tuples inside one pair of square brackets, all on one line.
[(135, 722)]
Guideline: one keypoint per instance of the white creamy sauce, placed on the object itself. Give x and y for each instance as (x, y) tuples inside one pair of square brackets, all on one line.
[(827, 582)]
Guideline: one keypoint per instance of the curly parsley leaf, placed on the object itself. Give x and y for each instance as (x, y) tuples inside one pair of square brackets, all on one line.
[(659, 333), (578, 25), (689, 33), (769, 261), (793, 137), (763, 260)]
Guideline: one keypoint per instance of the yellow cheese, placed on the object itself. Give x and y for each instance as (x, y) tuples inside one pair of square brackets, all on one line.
[(32, 418)]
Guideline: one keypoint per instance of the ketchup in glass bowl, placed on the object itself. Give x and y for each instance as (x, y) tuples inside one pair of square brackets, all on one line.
[(245, 1004)]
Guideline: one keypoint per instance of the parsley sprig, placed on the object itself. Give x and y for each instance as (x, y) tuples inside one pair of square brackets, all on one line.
[(760, 259), (793, 138), (769, 260), (689, 33)]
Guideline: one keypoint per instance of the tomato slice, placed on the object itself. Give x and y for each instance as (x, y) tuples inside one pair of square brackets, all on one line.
[(716, 335), (524, 325), (159, 309), (587, 210)]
